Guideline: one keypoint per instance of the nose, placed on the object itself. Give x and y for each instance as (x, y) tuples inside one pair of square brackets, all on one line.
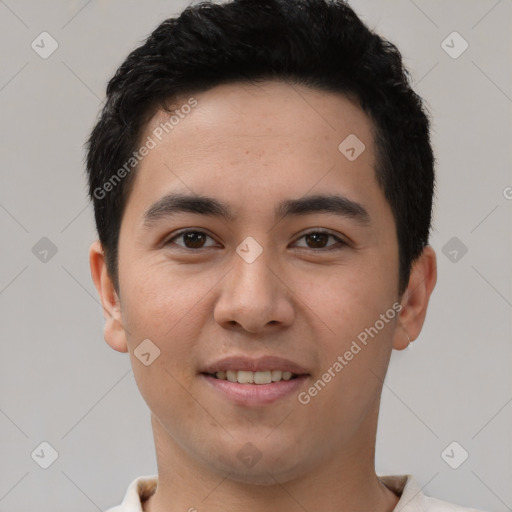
[(254, 297)]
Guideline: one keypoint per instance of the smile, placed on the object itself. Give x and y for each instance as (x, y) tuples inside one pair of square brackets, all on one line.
[(248, 377)]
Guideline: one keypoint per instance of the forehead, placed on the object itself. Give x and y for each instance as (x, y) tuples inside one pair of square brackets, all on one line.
[(255, 144), (265, 110)]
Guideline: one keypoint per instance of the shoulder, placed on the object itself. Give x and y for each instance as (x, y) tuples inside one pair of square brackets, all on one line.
[(437, 505), (412, 498), (138, 491)]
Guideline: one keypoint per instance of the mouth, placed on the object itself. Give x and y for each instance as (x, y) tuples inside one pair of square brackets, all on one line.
[(248, 377), (255, 382)]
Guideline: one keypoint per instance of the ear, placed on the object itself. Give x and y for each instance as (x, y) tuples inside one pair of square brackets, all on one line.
[(113, 331), (415, 299)]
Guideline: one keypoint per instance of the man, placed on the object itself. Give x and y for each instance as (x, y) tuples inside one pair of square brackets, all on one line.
[(262, 178)]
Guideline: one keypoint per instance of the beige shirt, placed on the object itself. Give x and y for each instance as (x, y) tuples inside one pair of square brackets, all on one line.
[(411, 499)]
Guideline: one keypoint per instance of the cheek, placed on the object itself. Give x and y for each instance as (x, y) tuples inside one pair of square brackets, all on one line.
[(161, 306), (157, 295), (357, 318), (355, 353), (350, 298), (163, 309)]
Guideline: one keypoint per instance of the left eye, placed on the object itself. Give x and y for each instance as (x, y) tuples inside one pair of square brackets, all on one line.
[(195, 239), (319, 239)]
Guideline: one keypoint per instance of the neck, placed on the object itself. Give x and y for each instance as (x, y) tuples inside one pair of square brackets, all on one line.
[(347, 481)]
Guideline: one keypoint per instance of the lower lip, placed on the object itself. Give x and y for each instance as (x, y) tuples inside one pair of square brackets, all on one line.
[(255, 394)]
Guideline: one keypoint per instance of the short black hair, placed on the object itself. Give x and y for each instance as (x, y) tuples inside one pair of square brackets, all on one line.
[(321, 44)]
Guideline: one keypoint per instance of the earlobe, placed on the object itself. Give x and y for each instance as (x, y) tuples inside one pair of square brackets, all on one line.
[(114, 332), (415, 299), (401, 338)]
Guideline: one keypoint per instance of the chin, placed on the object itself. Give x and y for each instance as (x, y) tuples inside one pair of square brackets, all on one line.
[(263, 471)]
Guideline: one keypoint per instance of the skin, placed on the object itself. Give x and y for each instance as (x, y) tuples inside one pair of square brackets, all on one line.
[(251, 147)]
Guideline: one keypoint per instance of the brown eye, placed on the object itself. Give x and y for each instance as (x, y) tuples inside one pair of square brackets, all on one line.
[(194, 240), (191, 239), (318, 240)]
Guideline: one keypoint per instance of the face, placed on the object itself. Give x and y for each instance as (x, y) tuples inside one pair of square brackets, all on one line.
[(271, 286)]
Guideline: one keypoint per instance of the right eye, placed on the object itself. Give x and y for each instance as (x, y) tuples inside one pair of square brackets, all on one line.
[(192, 239)]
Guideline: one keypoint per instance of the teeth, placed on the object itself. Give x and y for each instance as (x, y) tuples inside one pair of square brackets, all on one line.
[(262, 377), (276, 375), (246, 377)]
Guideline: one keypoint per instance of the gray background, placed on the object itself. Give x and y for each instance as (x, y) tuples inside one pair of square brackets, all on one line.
[(61, 383)]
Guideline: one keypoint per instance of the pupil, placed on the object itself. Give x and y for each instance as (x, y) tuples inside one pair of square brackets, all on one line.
[(323, 236), (192, 237)]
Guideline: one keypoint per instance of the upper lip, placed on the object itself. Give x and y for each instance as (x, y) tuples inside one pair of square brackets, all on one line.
[(259, 364)]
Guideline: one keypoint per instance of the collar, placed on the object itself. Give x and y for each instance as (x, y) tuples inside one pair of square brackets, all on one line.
[(411, 496)]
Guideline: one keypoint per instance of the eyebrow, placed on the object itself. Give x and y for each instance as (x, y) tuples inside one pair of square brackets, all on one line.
[(174, 203)]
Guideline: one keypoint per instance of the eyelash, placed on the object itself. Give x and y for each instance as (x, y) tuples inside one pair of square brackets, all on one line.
[(340, 245)]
